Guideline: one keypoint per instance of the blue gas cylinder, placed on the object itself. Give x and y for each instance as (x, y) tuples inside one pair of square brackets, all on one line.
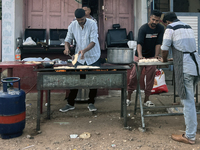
[(12, 109)]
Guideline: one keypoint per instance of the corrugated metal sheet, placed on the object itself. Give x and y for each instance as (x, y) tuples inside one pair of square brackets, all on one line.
[(193, 22)]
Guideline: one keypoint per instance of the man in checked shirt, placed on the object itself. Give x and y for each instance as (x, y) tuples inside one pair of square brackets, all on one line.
[(179, 37)]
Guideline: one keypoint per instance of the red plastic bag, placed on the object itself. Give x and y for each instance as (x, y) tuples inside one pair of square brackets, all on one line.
[(159, 82)]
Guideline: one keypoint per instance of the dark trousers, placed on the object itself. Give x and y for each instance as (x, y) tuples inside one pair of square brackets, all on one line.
[(92, 93), (73, 94)]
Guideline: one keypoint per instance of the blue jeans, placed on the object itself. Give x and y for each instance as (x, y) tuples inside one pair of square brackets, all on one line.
[(189, 108)]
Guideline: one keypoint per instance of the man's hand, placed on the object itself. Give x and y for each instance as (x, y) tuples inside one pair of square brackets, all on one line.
[(160, 59), (82, 52), (170, 59), (66, 51), (157, 57), (141, 57), (164, 55)]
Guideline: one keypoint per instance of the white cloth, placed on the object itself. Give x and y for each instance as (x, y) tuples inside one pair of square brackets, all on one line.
[(132, 44), (33, 59), (83, 38), (36, 59)]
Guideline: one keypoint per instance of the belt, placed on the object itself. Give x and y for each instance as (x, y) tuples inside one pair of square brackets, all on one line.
[(194, 59)]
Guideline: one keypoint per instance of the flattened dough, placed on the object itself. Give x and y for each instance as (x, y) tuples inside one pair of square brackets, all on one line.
[(75, 59), (64, 67), (86, 67), (32, 62), (148, 60)]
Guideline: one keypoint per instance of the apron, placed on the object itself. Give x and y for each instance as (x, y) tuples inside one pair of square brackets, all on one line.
[(178, 70), (194, 59)]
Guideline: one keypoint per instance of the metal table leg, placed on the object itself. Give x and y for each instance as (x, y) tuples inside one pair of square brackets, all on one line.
[(122, 103), (38, 110), (138, 93), (136, 98), (41, 101), (48, 104), (123, 100), (140, 99), (124, 106)]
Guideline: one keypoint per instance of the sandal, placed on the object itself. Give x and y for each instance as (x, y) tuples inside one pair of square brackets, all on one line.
[(149, 104), (128, 102)]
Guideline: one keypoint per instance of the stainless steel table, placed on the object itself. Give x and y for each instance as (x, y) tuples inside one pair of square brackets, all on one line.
[(138, 93), (105, 77)]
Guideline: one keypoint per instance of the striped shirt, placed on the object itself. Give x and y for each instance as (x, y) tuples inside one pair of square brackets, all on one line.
[(89, 18), (181, 36), (83, 38)]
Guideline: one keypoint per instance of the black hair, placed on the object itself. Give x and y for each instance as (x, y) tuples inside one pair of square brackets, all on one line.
[(79, 13), (170, 16), (156, 12)]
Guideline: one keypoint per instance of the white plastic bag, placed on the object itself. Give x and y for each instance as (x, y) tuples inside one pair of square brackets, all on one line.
[(29, 41), (32, 59), (133, 45)]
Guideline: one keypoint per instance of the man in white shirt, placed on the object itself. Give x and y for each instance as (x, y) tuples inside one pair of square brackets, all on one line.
[(84, 31), (87, 13)]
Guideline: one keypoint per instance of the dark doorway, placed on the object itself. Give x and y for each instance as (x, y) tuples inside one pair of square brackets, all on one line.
[(93, 4)]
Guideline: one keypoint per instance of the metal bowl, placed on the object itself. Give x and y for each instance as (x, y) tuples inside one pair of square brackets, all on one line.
[(48, 64)]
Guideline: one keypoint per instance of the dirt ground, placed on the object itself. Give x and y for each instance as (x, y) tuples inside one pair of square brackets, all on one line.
[(105, 127)]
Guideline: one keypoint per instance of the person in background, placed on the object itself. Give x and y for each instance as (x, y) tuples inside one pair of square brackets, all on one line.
[(179, 37), (150, 37), (87, 13), (84, 31)]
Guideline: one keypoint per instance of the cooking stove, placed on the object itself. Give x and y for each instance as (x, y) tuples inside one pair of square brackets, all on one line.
[(107, 76)]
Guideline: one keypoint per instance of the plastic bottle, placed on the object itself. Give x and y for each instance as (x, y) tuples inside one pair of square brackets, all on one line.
[(17, 54)]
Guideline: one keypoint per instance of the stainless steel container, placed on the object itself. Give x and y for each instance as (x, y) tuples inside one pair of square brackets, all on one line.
[(118, 55), (82, 95)]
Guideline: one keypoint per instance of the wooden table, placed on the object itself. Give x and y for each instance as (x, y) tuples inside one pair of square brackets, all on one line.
[(10, 65), (23, 71)]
